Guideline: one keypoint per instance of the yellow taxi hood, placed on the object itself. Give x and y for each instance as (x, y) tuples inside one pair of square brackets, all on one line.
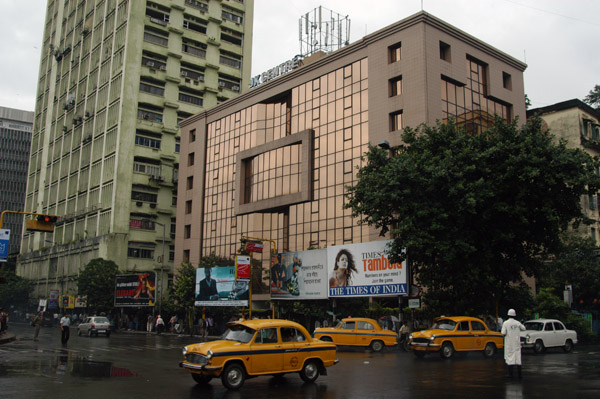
[(214, 346), (429, 333)]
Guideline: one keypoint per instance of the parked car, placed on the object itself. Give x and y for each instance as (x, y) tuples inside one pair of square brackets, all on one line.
[(358, 331), (94, 325), (541, 334), (456, 334), (252, 348)]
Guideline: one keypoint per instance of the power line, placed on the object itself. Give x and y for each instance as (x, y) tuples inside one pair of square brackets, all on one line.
[(553, 13)]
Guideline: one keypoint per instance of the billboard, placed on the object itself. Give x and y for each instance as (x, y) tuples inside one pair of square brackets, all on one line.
[(53, 300), (363, 270), (217, 287), (299, 275), (135, 289)]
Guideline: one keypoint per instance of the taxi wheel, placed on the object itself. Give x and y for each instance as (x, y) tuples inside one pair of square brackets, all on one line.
[(201, 379), (376, 346), (538, 347), (490, 350), (233, 377), (447, 350), (310, 371)]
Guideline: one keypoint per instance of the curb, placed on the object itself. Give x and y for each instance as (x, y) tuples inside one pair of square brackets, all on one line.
[(6, 338)]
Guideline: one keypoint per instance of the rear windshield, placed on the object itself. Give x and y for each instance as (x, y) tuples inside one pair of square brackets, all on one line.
[(534, 326), (100, 320), (238, 332)]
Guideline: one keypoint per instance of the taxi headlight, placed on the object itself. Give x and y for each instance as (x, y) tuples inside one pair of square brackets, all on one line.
[(432, 338), (410, 336), (528, 337), (184, 350), (209, 355)]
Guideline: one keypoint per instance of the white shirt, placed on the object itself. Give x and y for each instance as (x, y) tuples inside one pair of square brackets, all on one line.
[(511, 329), (65, 321)]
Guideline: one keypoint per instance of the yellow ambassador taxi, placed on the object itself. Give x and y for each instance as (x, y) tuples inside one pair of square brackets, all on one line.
[(252, 348), (358, 331), (456, 334)]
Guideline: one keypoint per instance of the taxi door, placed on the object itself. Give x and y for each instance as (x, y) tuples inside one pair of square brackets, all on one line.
[(266, 352), (364, 333), (346, 334), (463, 340), (478, 330), (294, 344)]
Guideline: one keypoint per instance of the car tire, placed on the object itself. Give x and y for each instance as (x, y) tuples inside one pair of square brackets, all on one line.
[(233, 377), (90, 333), (201, 379), (538, 346), (568, 346), (490, 350), (376, 346), (420, 354), (310, 371), (447, 350)]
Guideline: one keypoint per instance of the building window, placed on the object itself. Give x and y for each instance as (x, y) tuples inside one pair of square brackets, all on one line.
[(192, 135), (177, 145), (152, 87), (507, 81), (231, 15), (195, 24), (147, 139), (190, 96), (231, 36), (445, 52), (202, 6), (395, 53), (144, 250), (141, 224), (593, 234), (150, 113), (188, 206), (230, 59), (193, 47), (191, 159), (146, 168), (186, 255), (395, 86), (156, 36), (187, 231), (144, 196), (396, 121), (190, 182)]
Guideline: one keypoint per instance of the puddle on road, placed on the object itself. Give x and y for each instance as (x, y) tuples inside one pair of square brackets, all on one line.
[(65, 363)]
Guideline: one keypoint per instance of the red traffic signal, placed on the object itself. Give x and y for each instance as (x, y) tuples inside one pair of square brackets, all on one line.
[(47, 218)]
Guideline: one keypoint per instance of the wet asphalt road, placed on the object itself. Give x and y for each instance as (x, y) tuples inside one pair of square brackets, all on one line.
[(133, 365)]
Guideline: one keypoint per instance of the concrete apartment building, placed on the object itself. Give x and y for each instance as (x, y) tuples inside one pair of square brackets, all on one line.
[(116, 77), (273, 162), (579, 124), (15, 140)]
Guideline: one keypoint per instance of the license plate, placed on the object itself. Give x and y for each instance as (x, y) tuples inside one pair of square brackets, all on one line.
[(101, 331)]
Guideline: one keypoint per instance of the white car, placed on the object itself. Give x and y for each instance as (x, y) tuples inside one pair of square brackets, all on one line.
[(94, 325), (547, 333)]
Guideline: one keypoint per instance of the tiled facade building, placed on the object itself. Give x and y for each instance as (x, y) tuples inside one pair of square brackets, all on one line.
[(579, 124), (15, 140), (273, 162), (115, 79)]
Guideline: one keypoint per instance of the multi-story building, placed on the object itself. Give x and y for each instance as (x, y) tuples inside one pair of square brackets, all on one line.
[(579, 124), (273, 162), (15, 140), (116, 77)]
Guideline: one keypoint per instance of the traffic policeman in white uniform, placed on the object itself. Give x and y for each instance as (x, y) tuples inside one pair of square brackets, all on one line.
[(511, 329)]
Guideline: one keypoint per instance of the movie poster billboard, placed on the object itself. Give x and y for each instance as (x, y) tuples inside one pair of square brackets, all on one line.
[(53, 300), (363, 270), (217, 286), (135, 289), (299, 275)]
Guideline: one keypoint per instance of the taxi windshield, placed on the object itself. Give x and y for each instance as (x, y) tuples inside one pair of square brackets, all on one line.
[(444, 324), (238, 332)]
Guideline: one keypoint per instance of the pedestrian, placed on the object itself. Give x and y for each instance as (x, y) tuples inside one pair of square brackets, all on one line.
[(160, 325), (210, 323), (37, 323), (511, 329), (65, 322), (149, 323)]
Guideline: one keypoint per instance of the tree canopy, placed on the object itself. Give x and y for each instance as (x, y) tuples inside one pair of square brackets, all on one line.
[(14, 290), (473, 212), (593, 98), (97, 282)]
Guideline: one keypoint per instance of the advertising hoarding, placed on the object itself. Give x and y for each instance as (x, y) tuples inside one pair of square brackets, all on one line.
[(299, 275), (357, 270), (217, 287), (135, 289), (242, 267)]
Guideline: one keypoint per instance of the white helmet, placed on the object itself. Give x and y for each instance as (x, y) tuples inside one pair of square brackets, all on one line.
[(511, 312)]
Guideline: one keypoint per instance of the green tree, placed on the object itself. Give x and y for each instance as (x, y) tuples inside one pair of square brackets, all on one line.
[(14, 290), (182, 292), (593, 98), (473, 212), (97, 282)]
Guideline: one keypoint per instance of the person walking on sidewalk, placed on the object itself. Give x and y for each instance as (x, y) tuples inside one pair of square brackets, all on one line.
[(65, 323), (511, 329), (37, 323), (160, 325)]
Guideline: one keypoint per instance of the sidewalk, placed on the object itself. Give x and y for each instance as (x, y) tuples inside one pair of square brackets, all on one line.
[(6, 338)]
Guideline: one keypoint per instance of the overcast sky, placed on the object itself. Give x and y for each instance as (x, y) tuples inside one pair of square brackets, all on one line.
[(558, 39)]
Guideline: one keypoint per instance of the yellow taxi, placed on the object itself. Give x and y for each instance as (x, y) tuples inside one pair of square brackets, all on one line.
[(358, 331), (252, 348), (456, 334)]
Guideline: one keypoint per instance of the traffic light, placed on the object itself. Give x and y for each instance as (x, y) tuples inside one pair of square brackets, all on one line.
[(43, 223)]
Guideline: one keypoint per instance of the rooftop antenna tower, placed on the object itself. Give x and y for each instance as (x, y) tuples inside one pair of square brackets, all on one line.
[(323, 30)]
